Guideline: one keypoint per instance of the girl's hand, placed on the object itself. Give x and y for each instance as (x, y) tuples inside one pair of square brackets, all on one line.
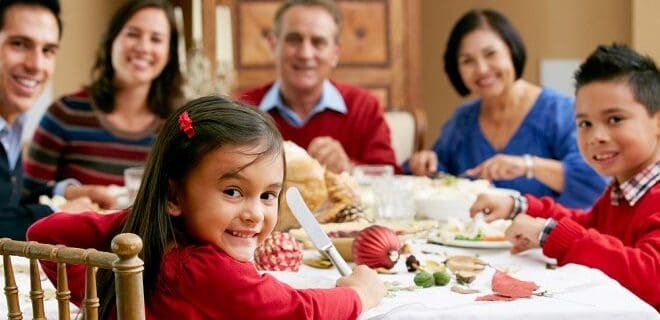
[(499, 167), (365, 282), (524, 233), (423, 163), (493, 206)]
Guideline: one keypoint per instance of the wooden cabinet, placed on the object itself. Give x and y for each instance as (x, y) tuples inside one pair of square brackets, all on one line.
[(379, 46)]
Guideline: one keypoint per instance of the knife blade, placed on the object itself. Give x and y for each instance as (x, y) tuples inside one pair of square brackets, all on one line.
[(316, 234)]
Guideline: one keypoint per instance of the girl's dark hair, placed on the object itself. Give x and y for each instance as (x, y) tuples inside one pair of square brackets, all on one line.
[(165, 92), (476, 19), (618, 62), (217, 122)]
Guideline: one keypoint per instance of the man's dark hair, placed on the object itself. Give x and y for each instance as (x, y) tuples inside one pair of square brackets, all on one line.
[(52, 5), (617, 62)]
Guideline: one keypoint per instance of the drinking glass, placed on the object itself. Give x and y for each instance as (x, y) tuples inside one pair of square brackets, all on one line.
[(132, 180)]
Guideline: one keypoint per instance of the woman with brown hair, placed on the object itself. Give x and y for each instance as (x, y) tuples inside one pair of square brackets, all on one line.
[(93, 135)]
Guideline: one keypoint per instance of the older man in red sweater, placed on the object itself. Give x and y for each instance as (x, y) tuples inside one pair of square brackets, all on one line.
[(339, 125)]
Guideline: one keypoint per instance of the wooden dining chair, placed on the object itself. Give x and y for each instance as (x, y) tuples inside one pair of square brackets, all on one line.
[(407, 131), (123, 261)]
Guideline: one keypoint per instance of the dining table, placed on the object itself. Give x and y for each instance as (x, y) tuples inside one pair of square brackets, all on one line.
[(571, 291), (566, 292)]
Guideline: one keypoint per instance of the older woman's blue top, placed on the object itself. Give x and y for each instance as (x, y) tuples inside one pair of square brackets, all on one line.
[(548, 131)]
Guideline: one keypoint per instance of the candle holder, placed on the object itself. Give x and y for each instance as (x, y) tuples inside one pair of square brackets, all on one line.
[(199, 79), (225, 77)]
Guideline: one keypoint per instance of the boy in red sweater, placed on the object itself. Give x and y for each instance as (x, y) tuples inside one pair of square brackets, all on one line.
[(617, 102)]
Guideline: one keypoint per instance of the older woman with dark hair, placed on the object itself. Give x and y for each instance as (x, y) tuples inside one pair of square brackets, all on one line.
[(515, 133), (93, 135)]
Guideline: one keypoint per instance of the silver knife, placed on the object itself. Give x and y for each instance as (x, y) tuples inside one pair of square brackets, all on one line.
[(314, 231)]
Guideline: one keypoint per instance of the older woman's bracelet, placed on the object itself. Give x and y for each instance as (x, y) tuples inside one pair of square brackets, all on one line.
[(529, 166)]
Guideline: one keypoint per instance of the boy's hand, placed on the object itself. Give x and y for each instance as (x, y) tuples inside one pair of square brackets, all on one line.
[(524, 233), (365, 282), (493, 206)]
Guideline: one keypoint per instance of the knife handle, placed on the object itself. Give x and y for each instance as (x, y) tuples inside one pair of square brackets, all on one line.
[(338, 261)]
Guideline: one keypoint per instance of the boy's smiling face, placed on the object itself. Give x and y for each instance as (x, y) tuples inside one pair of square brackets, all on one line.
[(616, 135), (229, 199)]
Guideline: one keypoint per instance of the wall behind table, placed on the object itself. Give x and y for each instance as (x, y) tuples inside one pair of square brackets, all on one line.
[(645, 27), (84, 23), (551, 29)]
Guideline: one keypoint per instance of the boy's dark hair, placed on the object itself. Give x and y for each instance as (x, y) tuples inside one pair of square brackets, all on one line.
[(618, 62), (477, 19), (217, 122), (52, 5), (166, 90), (328, 5)]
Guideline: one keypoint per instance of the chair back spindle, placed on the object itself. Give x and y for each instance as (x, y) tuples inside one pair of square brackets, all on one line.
[(36, 292), (124, 262)]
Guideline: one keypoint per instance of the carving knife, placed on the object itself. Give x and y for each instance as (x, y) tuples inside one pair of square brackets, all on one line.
[(316, 234)]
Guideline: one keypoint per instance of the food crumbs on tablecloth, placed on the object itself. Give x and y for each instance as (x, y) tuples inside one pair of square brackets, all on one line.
[(463, 290), (382, 270), (318, 263), (394, 286)]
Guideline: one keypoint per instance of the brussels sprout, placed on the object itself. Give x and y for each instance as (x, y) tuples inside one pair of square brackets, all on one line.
[(441, 278), (424, 279)]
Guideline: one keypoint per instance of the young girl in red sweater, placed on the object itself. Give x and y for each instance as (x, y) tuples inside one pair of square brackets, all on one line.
[(617, 103), (209, 197)]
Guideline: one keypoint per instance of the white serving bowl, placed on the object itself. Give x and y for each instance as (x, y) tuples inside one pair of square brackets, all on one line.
[(431, 204), (444, 203), (442, 209)]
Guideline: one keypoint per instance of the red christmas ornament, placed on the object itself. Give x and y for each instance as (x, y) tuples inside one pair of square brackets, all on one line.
[(279, 252)]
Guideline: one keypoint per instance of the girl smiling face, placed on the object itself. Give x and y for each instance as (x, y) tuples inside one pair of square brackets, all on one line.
[(230, 199)]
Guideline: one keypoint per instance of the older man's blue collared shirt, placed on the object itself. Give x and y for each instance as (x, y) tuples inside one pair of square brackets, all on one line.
[(10, 137), (330, 99)]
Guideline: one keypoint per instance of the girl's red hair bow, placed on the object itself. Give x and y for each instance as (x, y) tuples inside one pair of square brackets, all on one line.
[(185, 124)]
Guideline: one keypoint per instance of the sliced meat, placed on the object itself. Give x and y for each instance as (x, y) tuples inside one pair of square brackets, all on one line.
[(494, 297), (507, 286)]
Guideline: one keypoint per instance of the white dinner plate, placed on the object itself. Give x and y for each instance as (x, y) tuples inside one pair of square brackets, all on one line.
[(473, 244)]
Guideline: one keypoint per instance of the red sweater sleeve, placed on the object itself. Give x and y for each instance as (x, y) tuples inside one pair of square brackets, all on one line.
[(83, 230), (622, 241), (219, 287)]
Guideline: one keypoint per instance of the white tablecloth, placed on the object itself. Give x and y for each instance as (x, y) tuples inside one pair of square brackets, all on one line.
[(580, 292)]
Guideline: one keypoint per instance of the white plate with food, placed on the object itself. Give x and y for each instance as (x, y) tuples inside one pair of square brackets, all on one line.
[(471, 233), (477, 244)]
